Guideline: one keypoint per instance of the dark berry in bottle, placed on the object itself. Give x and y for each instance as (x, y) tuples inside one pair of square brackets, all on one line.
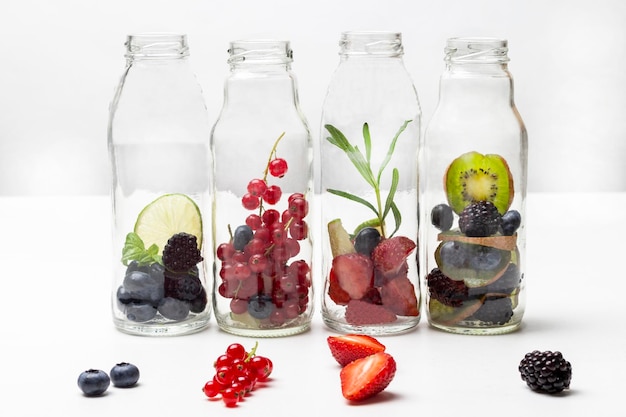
[(260, 306), (485, 258), (511, 221), (495, 310), (454, 254), (366, 240), (480, 219), (181, 252), (243, 234), (442, 217)]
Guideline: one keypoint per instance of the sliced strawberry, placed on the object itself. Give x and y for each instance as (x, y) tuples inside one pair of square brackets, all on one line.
[(398, 295), (390, 254), (354, 273), (350, 347), (335, 292), (366, 377), (361, 313)]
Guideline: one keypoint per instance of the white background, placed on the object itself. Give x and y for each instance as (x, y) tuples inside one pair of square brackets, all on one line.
[(61, 60)]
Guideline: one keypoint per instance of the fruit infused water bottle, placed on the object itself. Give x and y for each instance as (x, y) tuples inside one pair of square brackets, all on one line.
[(473, 175), (159, 150), (262, 156), (369, 146)]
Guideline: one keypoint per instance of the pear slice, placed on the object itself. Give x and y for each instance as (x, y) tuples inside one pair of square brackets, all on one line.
[(498, 241), (340, 243)]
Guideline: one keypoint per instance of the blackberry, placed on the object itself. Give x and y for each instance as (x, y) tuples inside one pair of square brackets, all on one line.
[(480, 219), (182, 286), (546, 372), (446, 290), (181, 252), (495, 310)]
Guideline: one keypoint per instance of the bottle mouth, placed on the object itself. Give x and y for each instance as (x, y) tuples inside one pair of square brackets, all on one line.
[(373, 43), (476, 50), (156, 45), (262, 51)]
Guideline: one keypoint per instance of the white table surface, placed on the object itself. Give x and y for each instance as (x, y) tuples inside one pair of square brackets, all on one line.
[(55, 285)]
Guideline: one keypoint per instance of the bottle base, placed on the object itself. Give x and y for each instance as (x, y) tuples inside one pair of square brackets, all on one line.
[(387, 329), (471, 328), (246, 326), (163, 329)]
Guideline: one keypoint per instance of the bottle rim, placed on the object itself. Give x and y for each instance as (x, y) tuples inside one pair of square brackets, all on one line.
[(262, 51), (156, 45), (479, 50), (371, 43)]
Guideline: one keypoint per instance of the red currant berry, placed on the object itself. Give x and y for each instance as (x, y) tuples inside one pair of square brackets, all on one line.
[(263, 367), (299, 229), (222, 360), (230, 397), (250, 202), (224, 375), (238, 306), (272, 194), (277, 317), (236, 351), (225, 251), (278, 167), (291, 308), (257, 262), (288, 284), (257, 187), (270, 217), (241, 271), (298, 207), (293, 247), (263, 234), (254, 246), (294, 195), (278, 233), (254, 221), (211, 389), (240, 388)]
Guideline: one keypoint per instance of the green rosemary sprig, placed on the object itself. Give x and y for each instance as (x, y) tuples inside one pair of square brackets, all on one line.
[(363, 165)]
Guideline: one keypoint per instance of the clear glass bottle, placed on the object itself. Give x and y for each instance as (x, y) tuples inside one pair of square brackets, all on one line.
[(158, 138), (473, 169), (262, 156), (369, 143)]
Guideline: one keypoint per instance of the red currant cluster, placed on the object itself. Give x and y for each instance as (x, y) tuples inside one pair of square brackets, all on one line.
[(237, 373), (255, 271)]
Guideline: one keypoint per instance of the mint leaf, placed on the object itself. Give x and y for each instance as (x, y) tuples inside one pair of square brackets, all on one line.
[(135, 250)]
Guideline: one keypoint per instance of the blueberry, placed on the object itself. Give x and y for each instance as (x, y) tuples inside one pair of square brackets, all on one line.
[(454, 254), (140, 312), (484, 258), (511, 221), (366, 240), (442, 217), (260, 306), (243, 234), (93, 382), (198, 304), (123, 296), (143, 286), (124, 375), (173, 309)]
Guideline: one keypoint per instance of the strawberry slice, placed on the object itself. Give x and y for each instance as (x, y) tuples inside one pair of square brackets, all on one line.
[(362, 313), (390, 254), (398, 295), (366, 377), (354, 273), (335, 292), (350, 347)]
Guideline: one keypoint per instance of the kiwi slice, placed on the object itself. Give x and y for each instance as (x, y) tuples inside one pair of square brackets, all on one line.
[(497, 241), (448, 316), (473, 276), (474, 177)]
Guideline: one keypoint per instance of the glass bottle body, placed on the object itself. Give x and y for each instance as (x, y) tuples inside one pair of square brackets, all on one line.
[(158, 144), (262, 156), (369, 189), (474, 170)]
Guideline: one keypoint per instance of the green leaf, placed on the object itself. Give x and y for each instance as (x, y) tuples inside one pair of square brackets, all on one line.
[(135, 250), (392, 147), (354, 198), (356, 157), (397, 217), (367, 139), (395, 178)]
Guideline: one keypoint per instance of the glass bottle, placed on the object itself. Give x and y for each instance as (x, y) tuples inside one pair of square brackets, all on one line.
[(473, 169), (158, 138), (262, 156), (369, 146)]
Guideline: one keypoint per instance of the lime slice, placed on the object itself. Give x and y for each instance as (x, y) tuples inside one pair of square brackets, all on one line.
[(166, 216)]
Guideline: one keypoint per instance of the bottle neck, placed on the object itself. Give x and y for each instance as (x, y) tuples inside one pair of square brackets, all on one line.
[(260, 56), (156, 46), (371, 45)]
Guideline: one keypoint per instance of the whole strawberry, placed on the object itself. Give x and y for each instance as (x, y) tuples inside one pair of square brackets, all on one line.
[(368, 376)]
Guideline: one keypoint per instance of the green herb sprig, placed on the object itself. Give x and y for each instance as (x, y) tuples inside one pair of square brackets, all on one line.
[(363, 165), (135, 250)]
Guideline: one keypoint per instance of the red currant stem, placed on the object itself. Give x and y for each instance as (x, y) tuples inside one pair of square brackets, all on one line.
[(230, 232), (272, 154), (286, 228), (252, 352)]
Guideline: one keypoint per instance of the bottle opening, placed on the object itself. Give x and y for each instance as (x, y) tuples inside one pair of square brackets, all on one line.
[(264, 51), (477, 50), (157, 45), (371, 43)]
